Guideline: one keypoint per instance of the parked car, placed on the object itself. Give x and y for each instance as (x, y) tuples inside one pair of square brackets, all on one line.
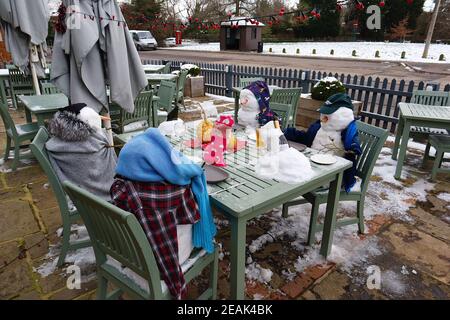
[(143, 40), (170, 42)]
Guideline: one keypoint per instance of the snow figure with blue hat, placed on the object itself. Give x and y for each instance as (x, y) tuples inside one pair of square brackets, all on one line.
[(335, 133), (254, 105)]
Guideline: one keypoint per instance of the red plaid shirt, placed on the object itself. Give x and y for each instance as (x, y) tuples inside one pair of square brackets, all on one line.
[(159, 208)]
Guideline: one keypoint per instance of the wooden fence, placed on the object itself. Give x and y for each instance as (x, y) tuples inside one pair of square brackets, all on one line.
[(380, 97)]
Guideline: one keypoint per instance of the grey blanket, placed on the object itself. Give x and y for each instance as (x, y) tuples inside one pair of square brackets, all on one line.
[(81, 155)]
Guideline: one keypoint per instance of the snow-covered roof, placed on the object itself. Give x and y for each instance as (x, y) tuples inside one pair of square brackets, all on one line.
[(242, 22)]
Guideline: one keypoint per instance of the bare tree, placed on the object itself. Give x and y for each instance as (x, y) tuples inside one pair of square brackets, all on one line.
[(442, 29), (401, 31)]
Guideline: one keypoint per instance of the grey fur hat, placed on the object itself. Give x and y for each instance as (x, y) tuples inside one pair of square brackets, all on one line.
[(66, 126)]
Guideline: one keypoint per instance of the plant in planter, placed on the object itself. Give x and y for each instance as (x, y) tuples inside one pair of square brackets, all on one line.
[(195, 83), (193, 70), (309, 103), (326, 87)]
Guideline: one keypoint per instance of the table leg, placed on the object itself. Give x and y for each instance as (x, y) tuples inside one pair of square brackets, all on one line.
[(28, 115), (330, 216), (402, 151), (237, 254), (40, 120), (3, 98), (397, 138)]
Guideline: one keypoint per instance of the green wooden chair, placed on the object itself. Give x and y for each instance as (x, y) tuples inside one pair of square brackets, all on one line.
[(372, 140), (243, 82), (17, 134), (49, 88), (142, 112), (286, 100), (179, 94), (19, 83), (117, 234), (68, 216), (165, 104), (442, 145), (167, 67), (431, 98), (284, 111)]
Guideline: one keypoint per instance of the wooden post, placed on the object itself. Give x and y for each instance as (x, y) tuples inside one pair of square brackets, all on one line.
[(431, 29)]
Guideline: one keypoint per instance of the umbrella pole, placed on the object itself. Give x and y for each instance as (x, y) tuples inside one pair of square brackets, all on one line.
[(108, 127), (34, 58)]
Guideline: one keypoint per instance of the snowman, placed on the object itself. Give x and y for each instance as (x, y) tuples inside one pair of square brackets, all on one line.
[(254, 109), (79, 150), (335, 133)]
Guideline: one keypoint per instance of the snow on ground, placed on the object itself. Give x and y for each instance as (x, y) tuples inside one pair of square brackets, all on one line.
[(83, 258), (385, 196), (255, 272), (389, 51), (215, 97), (444, 196)]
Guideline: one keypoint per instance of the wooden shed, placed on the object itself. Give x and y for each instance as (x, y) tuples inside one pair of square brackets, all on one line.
[(240, 33)]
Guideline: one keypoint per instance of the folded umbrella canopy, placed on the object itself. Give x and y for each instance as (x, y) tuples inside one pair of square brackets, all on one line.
[(95, 49), (26, 28)]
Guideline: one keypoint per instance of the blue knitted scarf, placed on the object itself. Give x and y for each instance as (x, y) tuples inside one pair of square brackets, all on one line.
[(149, 157)]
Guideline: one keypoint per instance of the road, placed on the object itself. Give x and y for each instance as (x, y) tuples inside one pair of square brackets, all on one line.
[(406, 70)]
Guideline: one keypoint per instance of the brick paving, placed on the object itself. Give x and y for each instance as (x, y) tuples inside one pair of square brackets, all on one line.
[(29, 219)]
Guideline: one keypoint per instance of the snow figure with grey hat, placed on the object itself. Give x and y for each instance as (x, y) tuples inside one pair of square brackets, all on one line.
[(79, 150), (335, 133)]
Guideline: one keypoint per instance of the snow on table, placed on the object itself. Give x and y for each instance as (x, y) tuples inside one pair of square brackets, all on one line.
[(389, 51)]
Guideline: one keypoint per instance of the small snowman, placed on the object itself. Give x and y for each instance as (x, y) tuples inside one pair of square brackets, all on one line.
[(254, 109), (335, 133)]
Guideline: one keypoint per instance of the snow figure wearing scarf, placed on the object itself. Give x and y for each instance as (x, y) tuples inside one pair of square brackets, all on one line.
[(254, 109), (79, 150), (335, 133)]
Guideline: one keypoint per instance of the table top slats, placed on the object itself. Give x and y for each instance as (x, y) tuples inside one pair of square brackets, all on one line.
[(44, 103), (424, 112)]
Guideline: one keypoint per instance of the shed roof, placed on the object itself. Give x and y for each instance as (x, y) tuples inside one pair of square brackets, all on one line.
[(242, 22)]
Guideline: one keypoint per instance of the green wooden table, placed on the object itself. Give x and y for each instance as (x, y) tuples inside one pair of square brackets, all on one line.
[(245, 196), (153, 68), (155, 78), (412, 114), (236, 93), (43, 106)]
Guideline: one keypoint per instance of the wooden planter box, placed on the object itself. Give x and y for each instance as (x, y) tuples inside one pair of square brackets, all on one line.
[(194, 87), (307, 112)]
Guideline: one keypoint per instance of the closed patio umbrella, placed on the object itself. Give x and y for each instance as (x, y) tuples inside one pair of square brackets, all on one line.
[(93, 49), (26, 27)]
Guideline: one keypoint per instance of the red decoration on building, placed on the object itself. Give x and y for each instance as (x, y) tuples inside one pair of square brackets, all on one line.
[(359, 5)]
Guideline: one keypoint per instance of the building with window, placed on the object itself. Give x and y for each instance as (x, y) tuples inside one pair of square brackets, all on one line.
[(240, 33)]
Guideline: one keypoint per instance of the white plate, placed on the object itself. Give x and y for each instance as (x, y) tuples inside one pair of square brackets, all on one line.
[(252, 136), (323, 158)]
